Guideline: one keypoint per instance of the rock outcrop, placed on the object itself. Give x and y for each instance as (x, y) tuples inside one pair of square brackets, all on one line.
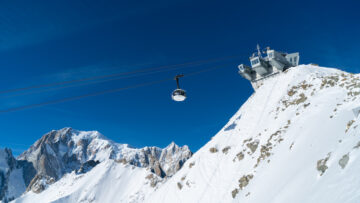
[(63, 151), (13, 175)]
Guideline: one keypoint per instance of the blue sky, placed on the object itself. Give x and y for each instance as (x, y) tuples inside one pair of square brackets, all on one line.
[(54, 41)]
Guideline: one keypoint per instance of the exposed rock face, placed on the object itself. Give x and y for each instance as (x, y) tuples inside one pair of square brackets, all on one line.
[(244, 180), (344, 160), (63, 151), (253, 145), (87, 166), (321, 164), (13, 175), (213, 150), (28, 169), (173, 157), (39, 183), (50, 155), (7, 163)]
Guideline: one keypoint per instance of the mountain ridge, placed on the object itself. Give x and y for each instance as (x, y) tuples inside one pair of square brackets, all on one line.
[(63, 151)]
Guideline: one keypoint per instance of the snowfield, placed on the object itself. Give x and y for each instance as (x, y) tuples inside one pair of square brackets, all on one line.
[(107, 182), (296, 139)]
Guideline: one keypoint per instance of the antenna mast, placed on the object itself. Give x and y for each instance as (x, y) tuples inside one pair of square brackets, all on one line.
[(258, 49)]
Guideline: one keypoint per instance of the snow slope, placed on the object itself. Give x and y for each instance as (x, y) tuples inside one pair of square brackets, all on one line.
[(107, 182), (295, 140)]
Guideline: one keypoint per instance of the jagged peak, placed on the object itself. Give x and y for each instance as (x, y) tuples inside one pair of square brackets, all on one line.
[(7, 160), (172, 145), (67, 134), (81, 146)]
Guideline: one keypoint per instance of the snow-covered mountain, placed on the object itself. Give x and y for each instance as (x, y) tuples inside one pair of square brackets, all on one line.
[(61, 152), (296, 139), (109, 181)]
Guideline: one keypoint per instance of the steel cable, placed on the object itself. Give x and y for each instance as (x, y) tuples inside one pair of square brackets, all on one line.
[(116, 74), (102, 92)]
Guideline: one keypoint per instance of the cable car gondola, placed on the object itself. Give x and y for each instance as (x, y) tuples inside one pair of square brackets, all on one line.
[(178, 94)]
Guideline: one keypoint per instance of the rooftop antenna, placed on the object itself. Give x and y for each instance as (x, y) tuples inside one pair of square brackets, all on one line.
[(258, 49)]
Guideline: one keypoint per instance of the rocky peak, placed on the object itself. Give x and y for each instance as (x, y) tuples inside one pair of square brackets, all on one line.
[(7, 163), (39, 183), (11, 176), (7, 160), (65, 150), (173, 157)]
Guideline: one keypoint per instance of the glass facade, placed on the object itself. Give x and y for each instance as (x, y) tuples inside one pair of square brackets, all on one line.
[(254, 61)]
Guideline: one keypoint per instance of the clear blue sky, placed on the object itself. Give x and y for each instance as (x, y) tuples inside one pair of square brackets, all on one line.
[(50, 41)]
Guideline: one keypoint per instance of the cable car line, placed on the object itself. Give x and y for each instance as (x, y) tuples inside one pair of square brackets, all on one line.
[(200, 62), (102, 92), (80, 97), (95, 82)]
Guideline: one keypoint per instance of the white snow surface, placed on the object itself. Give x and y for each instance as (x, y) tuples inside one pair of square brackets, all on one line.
[(107, 182), (295, 140), (295, 136)]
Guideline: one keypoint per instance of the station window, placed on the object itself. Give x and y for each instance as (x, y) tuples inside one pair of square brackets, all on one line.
[(254, 62), (241, 67)]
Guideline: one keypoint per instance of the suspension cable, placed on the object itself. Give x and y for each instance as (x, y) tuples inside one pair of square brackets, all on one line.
[(102, 92), (200, 62), (95, 82)]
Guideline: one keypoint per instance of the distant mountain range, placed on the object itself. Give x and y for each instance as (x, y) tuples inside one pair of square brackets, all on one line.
[(60, 152)]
